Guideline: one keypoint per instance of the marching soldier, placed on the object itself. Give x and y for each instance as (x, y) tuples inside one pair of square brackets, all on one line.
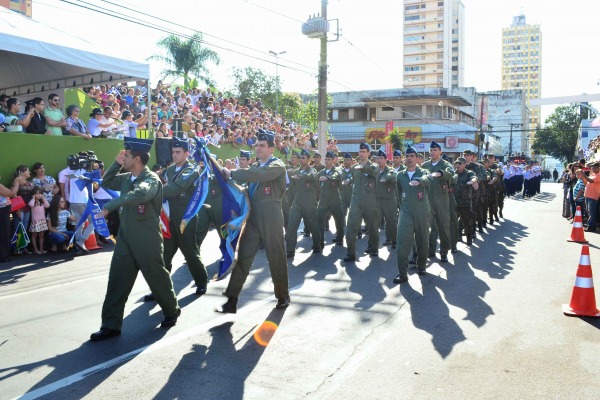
[(180, 180), (413, 224), (386, 199), (329, 200), (466, 185), (346, 188), (364, 175), (140, 244), (481, 179), (441, 175), (304, 205), (244, 161), (491, 191)]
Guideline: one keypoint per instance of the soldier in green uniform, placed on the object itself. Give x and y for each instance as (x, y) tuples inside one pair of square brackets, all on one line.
[(289, 194), (362, 203), (501, 191), (346, 188), (317, 162), (498, 184), (265, 223), (479, 193), (491, 206), (244, 163), (441, 174), (413, 223), (304, 205), (466, 185), (140, 243), (386, 199), (397, 161), (180, 178), (329, 200)]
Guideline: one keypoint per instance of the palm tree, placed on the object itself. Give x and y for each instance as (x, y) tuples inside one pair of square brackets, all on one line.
[(186, 58)]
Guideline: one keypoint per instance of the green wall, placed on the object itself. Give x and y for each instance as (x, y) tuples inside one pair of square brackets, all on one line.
[(20, 148)]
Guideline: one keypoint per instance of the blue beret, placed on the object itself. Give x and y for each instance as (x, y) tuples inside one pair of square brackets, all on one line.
[(397, 153), (410, 150), (330, 154), (434, 145), (294, 153), (364, 145), (316, 154), (244, 153), (381, 153), (305, 152), (265, 135), (183, 143), (135, 144), (347, 155)]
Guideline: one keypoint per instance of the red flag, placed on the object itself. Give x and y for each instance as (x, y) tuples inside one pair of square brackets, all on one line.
[(164, 224)]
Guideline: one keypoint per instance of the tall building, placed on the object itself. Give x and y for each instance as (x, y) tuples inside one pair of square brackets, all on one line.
[(522, 62), (20, 6), (433, 43)]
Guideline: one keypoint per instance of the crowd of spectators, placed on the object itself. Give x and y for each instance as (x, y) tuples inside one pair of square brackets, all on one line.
[(581, 185)]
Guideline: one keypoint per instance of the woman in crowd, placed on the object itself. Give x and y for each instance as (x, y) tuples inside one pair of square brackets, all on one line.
[(38, 227), (75, 126), (578, 192), (162, 131), (24, 190), (58, 215), (5, 207), (131, 125), (46, 182)]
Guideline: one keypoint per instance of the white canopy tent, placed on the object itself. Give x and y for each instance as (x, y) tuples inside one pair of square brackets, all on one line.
[(36, 58)]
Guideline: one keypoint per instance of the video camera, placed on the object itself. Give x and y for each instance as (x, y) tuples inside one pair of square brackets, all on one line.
[(84, 160)]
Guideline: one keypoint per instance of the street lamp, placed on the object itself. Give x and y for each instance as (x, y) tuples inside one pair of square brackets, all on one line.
[(276, 55)]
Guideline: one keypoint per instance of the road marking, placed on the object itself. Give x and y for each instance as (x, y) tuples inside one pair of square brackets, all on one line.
[(69, 380)]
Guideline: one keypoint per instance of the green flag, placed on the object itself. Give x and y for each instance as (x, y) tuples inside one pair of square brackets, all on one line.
[(20, 240)]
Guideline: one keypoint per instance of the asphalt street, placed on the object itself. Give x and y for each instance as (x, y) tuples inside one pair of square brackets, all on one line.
[(487, 325)]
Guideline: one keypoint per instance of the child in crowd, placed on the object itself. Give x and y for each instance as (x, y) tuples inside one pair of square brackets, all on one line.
[(38, 227), (58, 215)]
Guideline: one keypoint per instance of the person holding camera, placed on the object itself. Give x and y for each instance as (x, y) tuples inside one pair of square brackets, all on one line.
[(79, 198)]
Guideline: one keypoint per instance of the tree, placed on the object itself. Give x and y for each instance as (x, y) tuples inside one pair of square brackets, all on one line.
[(397, 139), (253, 83), (558, 138), (186, 59)]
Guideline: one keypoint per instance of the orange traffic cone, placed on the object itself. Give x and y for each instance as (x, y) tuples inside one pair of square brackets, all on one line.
[(583, 300), (90, 242), (577, 231)]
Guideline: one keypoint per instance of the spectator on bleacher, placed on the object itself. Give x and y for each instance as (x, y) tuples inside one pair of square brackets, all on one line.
[(12, 119), (107, 117), (37, 122), (75, 126), (3, 106), (165, 112), (162, 131), (103, 96), (55, 119), (57, 219), (129, 97), (95, 126), (135, 106), (45, 182), (131, 125)]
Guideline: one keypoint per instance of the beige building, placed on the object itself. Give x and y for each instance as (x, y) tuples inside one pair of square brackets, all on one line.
[(522, 62), (20, 6), (433, 43)]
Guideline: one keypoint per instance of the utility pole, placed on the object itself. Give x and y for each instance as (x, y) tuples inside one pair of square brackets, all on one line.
[(322, 102), (277, 78), (510, 141)]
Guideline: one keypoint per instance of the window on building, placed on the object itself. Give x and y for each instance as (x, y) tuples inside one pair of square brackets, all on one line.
[(343, 115), (412, 17), (360, 114), (387, 108)]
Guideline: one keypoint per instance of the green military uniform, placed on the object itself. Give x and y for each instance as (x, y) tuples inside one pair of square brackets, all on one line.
[(387, 203), (212, 211), (480, 193), (440, 205), (330, 202), (139, 245), (178, 191), (362, 204), (491, 203), (345, 189), (501, 191), (288, 199), (304, 207), (454, 226), (465, 200), (413, 223), (264, 225)]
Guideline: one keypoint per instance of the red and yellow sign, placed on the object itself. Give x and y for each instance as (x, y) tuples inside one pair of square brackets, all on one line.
[(412, 134)]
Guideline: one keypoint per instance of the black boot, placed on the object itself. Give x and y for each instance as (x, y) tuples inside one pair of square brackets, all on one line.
[(230, 307)]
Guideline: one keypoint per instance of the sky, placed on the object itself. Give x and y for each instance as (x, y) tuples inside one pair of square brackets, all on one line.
[(367, 55)]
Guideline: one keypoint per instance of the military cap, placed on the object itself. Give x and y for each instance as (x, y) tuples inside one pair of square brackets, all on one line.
[(180, 143), (347, 155), (469, 152), (245, 153), (329, 154), (265, 135), (381, 153), (317, 154), (434, 145), (410, 150), (135, 144), (305, 152), (294, 153), (364, 145), (397, 153), (460, 160)]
